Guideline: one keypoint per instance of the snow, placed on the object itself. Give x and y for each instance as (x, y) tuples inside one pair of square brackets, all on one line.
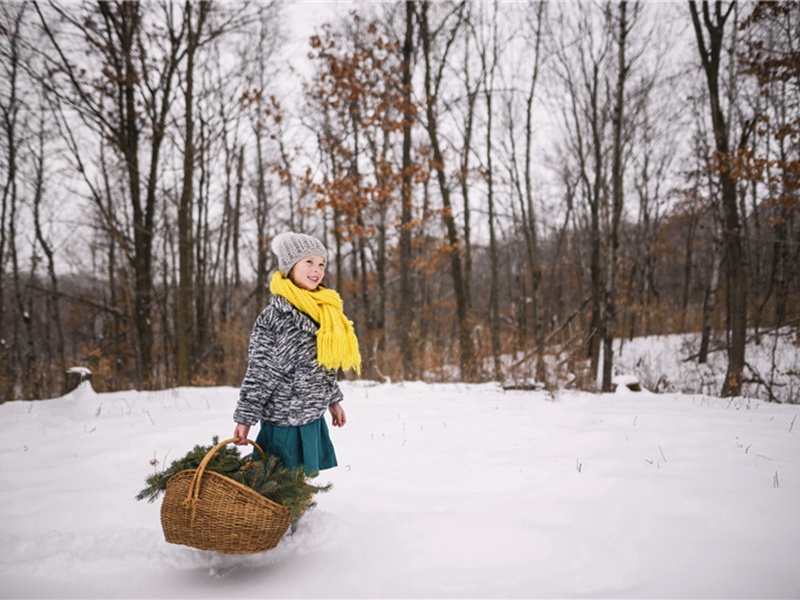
[(443, 491), (82, 371), (668, 364)]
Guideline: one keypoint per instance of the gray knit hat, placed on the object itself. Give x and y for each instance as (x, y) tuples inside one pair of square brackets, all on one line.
[(291, 247)]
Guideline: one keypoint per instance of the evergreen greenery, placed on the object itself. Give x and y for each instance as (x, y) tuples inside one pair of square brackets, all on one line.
[(288, 487)]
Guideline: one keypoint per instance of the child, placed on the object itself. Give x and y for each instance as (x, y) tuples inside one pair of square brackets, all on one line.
[(297, 345)]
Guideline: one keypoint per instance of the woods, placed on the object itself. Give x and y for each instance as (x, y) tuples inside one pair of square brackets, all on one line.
[(509, 191)]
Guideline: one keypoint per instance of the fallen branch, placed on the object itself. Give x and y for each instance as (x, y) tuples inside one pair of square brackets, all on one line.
[(527, 356)]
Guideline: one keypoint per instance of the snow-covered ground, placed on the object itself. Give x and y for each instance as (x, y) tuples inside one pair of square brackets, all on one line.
[(669, 363), (442, 491)]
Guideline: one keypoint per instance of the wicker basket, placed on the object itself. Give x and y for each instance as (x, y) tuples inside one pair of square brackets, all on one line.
[(209, 511)]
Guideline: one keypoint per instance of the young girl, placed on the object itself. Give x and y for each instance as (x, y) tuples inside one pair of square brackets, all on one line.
[(297, 345)]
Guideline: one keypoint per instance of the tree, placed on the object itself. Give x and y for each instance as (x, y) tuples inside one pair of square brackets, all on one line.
[(771, 58), (488, 71), (586, 114), (258, 76), (185, 316), (109, 103), (54, 312), (433, 78), (710, 34), (466, 178), (10, 105), (404, 316), (358, 98), (530, 222), (617, 123)]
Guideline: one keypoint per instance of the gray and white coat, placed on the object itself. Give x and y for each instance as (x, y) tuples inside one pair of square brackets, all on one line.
[(284, 385)]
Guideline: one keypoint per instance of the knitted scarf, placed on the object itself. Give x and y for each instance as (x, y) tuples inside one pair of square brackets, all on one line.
[(337, 345)]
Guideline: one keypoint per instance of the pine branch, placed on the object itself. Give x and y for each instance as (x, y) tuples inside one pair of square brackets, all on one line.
[(287, 487)]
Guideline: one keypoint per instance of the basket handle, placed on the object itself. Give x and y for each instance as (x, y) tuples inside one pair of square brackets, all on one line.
[(194, 487)]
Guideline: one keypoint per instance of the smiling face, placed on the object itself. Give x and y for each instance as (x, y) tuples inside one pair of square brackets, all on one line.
[(307, 273)]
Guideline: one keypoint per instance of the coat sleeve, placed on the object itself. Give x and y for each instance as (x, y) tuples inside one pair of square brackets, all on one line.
[(336, 391), (266, 369)]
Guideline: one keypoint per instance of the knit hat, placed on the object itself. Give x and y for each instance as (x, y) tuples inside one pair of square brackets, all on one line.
[(291, 247)]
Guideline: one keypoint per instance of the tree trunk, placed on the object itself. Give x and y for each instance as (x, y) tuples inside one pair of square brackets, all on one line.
[(185, 317), (531, 226), (610, 312), (466, 151), (115, 328), (782, 272), (710, 301), (204, 274), (55, 313), (24, 342), (404, 315), (262, 218), (237, 217), (596, 191), (494, 285), (687, 269), (143, 215)]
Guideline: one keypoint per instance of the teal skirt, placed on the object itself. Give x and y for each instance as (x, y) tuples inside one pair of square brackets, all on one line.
[(308, 445)]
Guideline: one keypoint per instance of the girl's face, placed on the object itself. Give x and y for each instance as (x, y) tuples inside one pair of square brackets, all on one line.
[(308, 272)]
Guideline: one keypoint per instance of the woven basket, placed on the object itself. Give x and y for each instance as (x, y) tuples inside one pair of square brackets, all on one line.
[(209, 511)]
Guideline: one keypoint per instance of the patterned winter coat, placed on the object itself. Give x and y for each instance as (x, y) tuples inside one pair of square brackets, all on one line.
[(284, 385)]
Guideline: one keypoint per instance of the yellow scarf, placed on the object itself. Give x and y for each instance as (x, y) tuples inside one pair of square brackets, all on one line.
[(337, 344)]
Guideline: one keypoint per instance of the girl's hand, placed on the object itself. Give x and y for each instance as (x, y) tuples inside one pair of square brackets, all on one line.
[(241, 432), (337, 415)]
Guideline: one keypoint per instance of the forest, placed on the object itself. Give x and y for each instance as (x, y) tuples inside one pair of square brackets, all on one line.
[(507, 189)]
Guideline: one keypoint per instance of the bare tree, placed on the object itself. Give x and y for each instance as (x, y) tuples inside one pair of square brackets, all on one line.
[(185, 316), (433, 77), (405, 317), (710, 33), (259, 73), (471, 88), (489, 68), (54, 312), (110, 105), (618, 116), (10, 105), (582, 67), (530, 221)]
